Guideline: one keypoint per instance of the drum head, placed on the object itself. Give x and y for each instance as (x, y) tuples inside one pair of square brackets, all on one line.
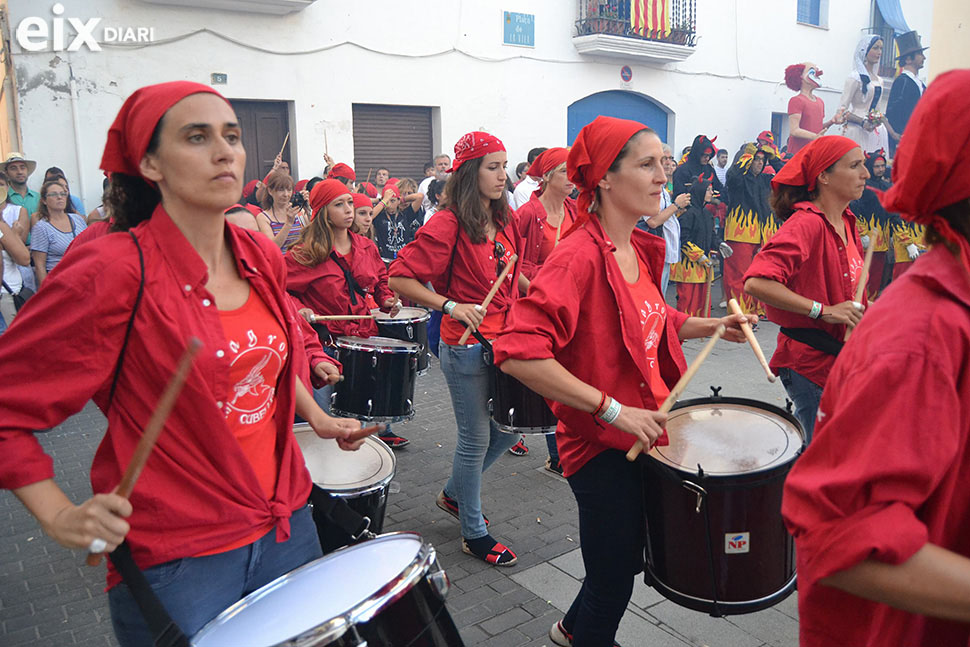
[(314, 595), (377, 344), (727, 438), (337, 471), (406, 315)]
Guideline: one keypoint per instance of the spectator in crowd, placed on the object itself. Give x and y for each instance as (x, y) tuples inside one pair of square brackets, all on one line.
[(55, 229), (524, 190), (693, 274), (368, 189), (435, 196), (99, 212), (520, 172), (907, 88), (396, 219), (343, 173), (284, 219), (666, 224), (721, 166), (428, 170), (52, 174), (697, 164), (242, 217), (363, 217), (14, 252), (874, 223), (18, 169), (383, 175), (441, 164), (18, 219), (860, 97), (283, 167)]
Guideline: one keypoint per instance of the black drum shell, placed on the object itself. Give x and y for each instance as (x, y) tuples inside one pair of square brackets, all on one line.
[(679, 562), (371, 505), (415, 331), (377, 386), (514, 407)]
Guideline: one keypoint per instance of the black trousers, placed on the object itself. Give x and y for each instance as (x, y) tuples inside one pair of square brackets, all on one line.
[(609, 492)]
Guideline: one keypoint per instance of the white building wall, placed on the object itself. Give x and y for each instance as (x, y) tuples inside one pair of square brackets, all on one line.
[(440, 53)]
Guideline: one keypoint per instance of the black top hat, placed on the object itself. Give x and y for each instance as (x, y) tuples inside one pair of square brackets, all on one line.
[(909, 43)]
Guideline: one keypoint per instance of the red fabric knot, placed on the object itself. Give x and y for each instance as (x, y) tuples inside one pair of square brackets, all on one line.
[(281, 519), (324, 193), (803, 168), (474, 145), (132, 130)]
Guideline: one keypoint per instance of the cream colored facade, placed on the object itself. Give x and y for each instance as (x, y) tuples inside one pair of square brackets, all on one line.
[(951, 37)]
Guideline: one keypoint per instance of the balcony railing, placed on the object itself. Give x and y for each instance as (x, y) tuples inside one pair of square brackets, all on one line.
[(666, 21)]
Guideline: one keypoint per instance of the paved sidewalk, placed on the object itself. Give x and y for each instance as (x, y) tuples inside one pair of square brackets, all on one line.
[(49, 597)]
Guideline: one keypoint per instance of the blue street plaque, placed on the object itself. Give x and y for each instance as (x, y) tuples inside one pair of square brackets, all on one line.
[(519, 29)]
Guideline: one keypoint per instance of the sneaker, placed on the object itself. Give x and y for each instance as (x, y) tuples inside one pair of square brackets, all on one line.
[(519, 448), (559, 636), (555, 468), (497, 555), (450, 506), (393, 440), (722, 304)]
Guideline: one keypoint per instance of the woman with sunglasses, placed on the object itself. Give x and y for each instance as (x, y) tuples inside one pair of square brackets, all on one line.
[(56, 227), (331, 271), (461, 252)]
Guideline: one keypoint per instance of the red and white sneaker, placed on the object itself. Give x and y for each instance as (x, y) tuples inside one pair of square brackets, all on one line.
[(519, 448), (563, 638)]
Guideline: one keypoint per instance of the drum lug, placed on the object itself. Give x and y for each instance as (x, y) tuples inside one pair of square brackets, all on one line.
[(373, 361), (716, 390), (512, 416), (788, 405), (354, 635), (333, 398), (410, 330), (410, 405), (490, 405), (439, 581), (370, 406), (699, 491)]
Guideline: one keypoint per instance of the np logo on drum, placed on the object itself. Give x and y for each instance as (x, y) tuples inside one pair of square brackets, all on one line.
[(735, 543)]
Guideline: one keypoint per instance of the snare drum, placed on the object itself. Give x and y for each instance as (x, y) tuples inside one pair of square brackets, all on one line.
[(514, 408), (361, 478), (410, 324), (379, 375), (388, 591), (716, 541)]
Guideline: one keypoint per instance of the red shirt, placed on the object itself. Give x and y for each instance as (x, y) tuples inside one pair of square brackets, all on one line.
[(879, 482), (197, 490), (441, 243), (652, 312), (809, 258), (579, 311), (531, 219), (812, 119), (324, 289)]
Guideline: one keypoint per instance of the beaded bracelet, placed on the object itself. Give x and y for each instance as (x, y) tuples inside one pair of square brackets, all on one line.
[(599, 409)]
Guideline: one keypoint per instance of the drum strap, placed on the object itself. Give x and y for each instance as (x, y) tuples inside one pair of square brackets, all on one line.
[(342, 515), (816, 338), (166, 632), (353, 287)]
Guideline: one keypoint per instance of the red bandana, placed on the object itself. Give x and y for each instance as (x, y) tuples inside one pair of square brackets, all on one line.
[(369, 189), (803, 168), (546, 161), (591, 155), (341, 170), (361, 201), (324, 193), (474, 145), (131, 132)]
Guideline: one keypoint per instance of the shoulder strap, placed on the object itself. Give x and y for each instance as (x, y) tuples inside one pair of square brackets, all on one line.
[(6, 287), (131, 320), (353, 288)]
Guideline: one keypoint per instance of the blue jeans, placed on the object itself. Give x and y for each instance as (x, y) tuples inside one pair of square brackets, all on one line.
[(553, 449), (195, 590), (806, 395), (480, 443)]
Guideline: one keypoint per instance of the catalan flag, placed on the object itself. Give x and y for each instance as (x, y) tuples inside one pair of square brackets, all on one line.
[(650, 18)]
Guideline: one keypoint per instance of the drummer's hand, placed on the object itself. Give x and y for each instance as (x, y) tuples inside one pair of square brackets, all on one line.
[(100, 517), (392, 306), (306, 313), (328, 372), (469, 314), (327, 426), (732, 325), (844, 313), (646, 425)]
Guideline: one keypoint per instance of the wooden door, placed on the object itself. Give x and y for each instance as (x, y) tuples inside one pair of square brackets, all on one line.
[(264, 127)]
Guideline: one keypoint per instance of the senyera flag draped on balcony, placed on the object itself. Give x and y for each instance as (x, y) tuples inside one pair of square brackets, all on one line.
[(650, 18)]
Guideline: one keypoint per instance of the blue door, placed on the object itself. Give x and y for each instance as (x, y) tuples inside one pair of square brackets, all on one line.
[(615, 103)]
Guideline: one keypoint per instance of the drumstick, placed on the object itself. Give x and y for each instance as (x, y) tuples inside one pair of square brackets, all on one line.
[(735, 309), (283, 147), (708, 276), (326, 146), (368, 174), (341, 317), (681, 385), (364, 432), (491, 294), (154, 428), (860, 289)]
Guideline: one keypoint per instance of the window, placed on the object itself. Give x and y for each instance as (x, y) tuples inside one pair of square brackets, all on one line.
[(813, 12)]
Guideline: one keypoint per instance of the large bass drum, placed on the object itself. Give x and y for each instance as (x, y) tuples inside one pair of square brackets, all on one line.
[(716, 541), (386, 592)]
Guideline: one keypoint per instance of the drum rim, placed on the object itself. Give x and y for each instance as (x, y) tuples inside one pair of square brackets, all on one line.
[(724, 607), (385, 318), (398, 347), (535, 431), (360, 612), (355, 492), (762, 472), (349, 414)]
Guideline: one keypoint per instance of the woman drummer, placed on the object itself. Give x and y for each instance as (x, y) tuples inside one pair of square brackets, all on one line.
[(603, 283), (461, 252), (331, 270), (226, 481), (878, 504), (808, 272)]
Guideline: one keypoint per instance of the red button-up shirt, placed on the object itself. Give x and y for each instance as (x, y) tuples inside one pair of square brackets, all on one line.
[(809, 258), (531, 219), (579, 311), (879, 482), (197, 491), (442, 250), (323, 288)]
